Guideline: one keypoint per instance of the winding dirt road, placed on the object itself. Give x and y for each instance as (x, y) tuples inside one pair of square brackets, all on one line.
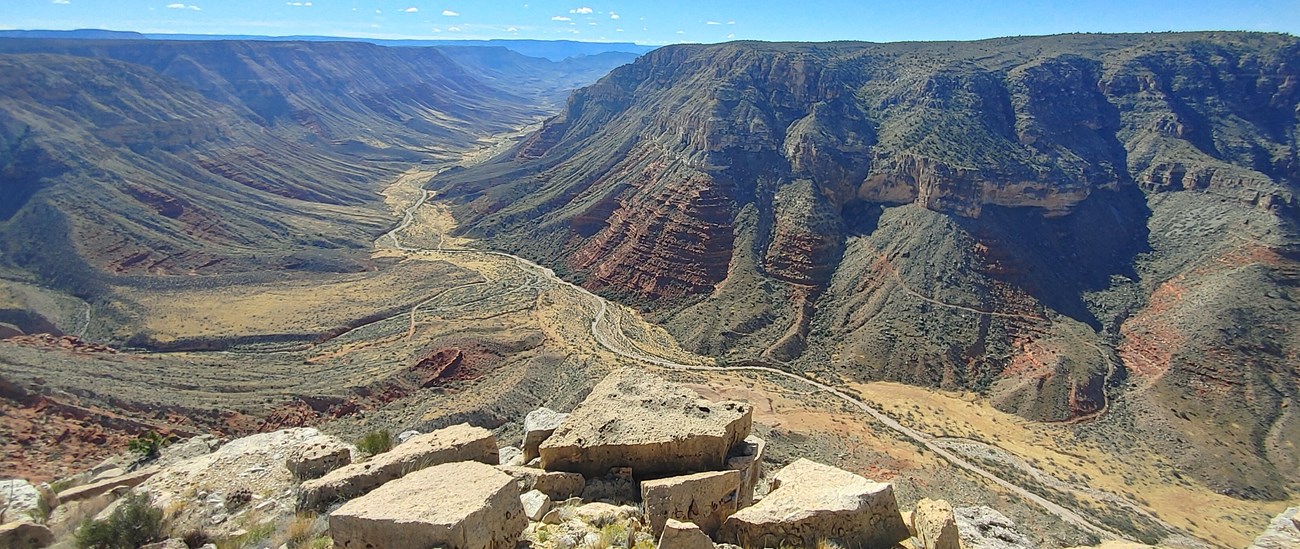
[(606, 331)]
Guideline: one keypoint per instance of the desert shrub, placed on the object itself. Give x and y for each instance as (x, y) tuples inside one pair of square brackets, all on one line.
[(195, 539), (135, 522), (376, 442), (147, 445), (238, 498)]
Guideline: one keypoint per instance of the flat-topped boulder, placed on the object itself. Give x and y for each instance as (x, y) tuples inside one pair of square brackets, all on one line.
[(635, 419), (464, 505), (811, 502), (704, 499), (985, 528), (452, 444)]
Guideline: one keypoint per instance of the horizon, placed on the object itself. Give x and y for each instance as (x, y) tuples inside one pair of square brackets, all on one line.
[(662, 23)]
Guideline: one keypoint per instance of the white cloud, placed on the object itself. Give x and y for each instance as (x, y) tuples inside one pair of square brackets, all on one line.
[(560, 18), (453, 29), (613, 15), (618, 30), (582, 11), (712, 23), (300, 4), (512, 29), (731, 22), (450, 13), (411, 10), (184, 7), (61, 2), (730, 36)]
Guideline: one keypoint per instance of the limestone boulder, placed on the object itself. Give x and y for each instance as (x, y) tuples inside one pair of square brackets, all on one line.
[(539, 424), (811, 502), (683, 535), (452, 444), (318, 457), (99, 488), (635, 419), (704, 499), (935, 525), (510, 455), (22, 497), (985, 528), (747, 458), (556, 485), (1282, 532), (463, 505), (536, 504), (25, 535)]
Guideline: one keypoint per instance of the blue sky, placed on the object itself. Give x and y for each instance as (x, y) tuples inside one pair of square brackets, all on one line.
[(653, 22)]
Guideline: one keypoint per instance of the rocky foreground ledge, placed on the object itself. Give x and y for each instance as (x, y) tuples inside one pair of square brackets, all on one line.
[(641, 463)]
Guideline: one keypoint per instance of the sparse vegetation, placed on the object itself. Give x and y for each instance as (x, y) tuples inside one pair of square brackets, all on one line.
[(376, 442), (148, 445), (135, 522)]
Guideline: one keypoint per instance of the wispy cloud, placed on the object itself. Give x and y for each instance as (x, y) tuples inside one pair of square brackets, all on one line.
[(582, 11), (184, 7), (712, 23), (61, 2), (450, 13), (560, 18), (410, 10), (613, 15), (301, 4)]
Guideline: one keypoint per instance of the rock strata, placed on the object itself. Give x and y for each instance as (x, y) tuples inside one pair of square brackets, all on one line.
[(634, 419), (456, 443), (464, 505), (810, 502)]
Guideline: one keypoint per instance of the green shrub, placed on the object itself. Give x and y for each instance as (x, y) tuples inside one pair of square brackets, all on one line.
[(376, 442), (135, 522), (148, 444)]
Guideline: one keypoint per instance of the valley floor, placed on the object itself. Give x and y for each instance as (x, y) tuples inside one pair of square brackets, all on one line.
[(442, 332)]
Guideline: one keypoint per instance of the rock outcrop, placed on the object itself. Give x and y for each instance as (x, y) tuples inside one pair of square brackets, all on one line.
[(452, 444), (934, 525), (810, 502), (318, 458), (25, 535), (538, 425), (634, 419), (557, 485), (464, 505), (93, 489), (1282, 533), (683, 535), (747, 458), (985, 528), (704, 499)]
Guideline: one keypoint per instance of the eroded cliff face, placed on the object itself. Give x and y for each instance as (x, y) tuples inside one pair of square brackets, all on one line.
[(985, 215)]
